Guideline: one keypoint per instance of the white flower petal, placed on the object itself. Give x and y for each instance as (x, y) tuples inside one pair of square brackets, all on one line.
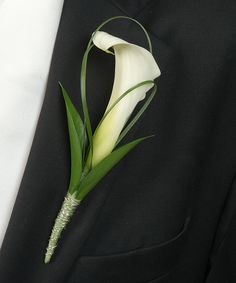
[(104, 40), (133, 65)]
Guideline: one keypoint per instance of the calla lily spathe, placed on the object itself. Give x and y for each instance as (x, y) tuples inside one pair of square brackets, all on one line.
[(94, 154), (133, 65)]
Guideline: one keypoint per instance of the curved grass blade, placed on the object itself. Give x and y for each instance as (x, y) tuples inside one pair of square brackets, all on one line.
[(83, 80), (127, 18), (122, 96), (87, 121), (138, 115), (98, 172), (76, 129)]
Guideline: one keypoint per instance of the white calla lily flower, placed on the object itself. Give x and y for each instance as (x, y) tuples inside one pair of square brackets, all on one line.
[(133, 65)]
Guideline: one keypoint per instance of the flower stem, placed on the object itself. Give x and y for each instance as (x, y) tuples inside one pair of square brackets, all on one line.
[(67, 210)]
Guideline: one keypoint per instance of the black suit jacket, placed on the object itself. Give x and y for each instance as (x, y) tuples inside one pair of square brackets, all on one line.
[(167, 212)]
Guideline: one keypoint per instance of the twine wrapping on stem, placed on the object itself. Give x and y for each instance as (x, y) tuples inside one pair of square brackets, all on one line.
[(67, 210)]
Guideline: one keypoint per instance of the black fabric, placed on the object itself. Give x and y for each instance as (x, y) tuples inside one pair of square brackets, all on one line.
[(166, 213)]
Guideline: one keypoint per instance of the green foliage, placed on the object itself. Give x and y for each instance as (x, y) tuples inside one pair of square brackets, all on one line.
[(76, 134), (122, 96), (99, 171), (87, 122), (138, 115), (83, 176), (124, 18)]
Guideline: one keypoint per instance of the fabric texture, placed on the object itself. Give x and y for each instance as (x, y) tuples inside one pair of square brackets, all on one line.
[(27, 31), (174, 223)]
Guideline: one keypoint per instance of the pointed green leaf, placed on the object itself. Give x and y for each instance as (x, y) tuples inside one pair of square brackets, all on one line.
[(79, 125), (98, 172), (76, 130)]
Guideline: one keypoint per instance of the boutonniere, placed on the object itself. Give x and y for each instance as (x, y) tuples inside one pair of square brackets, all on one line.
[(94, 154)]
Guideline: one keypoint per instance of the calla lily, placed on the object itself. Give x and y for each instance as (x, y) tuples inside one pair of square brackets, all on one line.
[(133, 65), (135, 71)]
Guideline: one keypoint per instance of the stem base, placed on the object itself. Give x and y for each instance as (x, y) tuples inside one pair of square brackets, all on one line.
[(67, 210)]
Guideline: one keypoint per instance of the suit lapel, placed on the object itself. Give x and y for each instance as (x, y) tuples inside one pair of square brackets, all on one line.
[(46, 176)]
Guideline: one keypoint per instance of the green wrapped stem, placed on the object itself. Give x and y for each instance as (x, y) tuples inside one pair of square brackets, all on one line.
[(67, 210)]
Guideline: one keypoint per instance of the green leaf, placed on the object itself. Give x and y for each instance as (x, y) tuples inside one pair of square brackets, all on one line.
[(98, 172), (76, 134), (79, 126)]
